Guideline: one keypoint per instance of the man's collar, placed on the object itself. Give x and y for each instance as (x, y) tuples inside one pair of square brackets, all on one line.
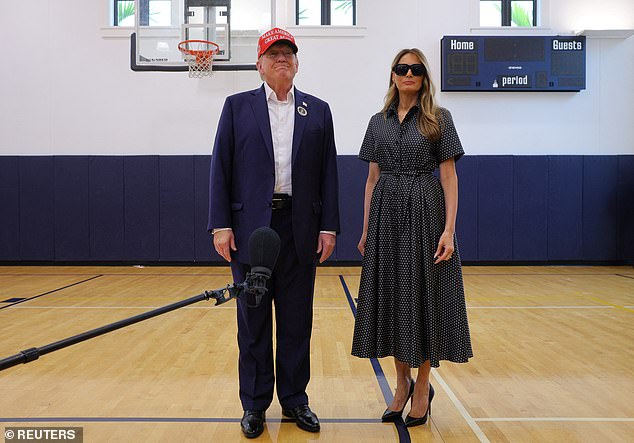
[(270, 93)]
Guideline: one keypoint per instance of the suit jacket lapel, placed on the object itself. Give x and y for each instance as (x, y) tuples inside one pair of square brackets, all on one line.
[(261, 112), (301, 102)]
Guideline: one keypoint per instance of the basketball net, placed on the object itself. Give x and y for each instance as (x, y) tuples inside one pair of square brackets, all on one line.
[(199, 56)]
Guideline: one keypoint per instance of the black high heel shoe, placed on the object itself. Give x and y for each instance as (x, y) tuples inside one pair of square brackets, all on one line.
[(417, 421), (391, 416)]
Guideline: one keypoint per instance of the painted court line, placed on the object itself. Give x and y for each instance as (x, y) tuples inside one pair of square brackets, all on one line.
[(401, 429), (541, 307), (607, 303), (50, 292), (460, 407), (333, 308), (169, 420), (572, 419)]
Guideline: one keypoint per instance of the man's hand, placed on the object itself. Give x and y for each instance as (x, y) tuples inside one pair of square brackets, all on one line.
[(224, 242), (325, 245)]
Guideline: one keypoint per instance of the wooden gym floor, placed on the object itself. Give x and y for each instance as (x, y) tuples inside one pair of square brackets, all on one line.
[(554, 359)]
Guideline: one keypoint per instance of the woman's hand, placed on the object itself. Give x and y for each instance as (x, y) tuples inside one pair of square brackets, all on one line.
[(445, 247), (361, 245)]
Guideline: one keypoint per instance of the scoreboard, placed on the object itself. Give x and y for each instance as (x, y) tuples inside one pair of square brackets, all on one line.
[(535, 63)]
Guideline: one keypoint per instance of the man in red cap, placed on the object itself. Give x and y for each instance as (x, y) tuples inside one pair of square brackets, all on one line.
[(274, 164)]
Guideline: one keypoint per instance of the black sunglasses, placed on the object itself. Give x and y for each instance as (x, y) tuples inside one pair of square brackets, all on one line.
[(401, 69)]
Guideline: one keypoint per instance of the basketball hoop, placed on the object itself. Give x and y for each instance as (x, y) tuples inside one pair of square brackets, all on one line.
[(199, 56)]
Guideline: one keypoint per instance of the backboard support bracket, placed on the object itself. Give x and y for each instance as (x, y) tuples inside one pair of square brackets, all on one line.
[(162, 68)]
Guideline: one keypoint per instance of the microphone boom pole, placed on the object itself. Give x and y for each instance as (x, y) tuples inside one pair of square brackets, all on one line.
[(264, 247), (31, 354)]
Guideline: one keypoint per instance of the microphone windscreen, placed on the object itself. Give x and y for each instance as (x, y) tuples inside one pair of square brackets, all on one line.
[(264, 247)]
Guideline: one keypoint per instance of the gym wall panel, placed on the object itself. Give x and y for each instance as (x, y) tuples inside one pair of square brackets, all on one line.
[(9, 208), (71, 221), (37, 208), (530, 221), (625, 207), (467, 219), (565, 197), (541, 209), (204, 249), (141, 202), (599, 207), (495, 207), (107, 208), (353, 174), (177, 207)]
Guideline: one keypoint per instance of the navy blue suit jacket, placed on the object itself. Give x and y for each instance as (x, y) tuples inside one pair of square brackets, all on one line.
[(243, 172)]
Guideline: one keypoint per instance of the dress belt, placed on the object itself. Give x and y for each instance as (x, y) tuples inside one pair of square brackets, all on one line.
[(406, 173), (281, 201)]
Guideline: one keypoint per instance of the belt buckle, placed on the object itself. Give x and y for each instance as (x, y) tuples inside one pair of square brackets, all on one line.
[(280, 201)]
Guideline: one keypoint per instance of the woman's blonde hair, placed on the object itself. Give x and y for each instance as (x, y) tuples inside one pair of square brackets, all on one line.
[(427, 121)]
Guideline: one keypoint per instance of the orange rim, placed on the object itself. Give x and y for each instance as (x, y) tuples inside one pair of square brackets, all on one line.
[(198, 52)]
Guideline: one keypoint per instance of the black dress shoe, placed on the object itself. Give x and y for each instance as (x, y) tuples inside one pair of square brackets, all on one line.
[(304, 418), (391, 416), (417, 421), (252, 423)]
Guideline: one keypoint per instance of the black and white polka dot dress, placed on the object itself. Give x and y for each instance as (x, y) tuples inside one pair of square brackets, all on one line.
[(408, 307)]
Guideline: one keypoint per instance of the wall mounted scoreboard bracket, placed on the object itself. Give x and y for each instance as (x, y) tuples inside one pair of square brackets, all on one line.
[(497, 63)]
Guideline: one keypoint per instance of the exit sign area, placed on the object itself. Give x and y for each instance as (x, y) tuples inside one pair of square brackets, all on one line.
[(535, 63)]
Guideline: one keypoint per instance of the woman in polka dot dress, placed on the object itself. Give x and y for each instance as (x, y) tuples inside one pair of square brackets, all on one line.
[(411, 297)]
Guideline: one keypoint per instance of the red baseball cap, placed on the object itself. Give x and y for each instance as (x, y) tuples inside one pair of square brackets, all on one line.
[(273, 36)]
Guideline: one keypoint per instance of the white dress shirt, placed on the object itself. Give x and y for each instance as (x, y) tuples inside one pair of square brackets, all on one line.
[(282, 120)]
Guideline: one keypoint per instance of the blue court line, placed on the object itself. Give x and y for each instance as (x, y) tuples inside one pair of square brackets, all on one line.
[(115, 275), (403, 433), (50, 292), (168, 420)]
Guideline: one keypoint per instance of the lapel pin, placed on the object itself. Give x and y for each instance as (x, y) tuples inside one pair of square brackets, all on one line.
[(305, 105), (302, 111)]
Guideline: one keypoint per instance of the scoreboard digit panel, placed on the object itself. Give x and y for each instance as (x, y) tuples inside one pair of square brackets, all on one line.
[(498, 63)]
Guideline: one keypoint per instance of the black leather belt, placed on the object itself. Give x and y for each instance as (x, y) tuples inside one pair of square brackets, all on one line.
[(407, 173), (281, 201)]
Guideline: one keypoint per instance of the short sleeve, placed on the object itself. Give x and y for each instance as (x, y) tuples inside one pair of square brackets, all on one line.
[(449, 145), (368, 147)]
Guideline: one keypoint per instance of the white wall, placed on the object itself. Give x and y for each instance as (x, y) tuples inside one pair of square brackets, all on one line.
[(67, 90)]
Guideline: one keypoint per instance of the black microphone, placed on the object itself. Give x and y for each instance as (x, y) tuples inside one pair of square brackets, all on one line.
[(264, 248)]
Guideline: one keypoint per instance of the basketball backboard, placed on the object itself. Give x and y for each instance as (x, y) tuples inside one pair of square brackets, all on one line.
[(235, 25)]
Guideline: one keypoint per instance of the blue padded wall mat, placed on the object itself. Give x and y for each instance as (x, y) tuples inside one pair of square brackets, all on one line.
[(625, 207), (495, 207), (530, 208), (141, 184), (37, 208), (10, 212), (467, 219), (353, 174), (177, 209), (107, 208), (565, 197), (204, 248), (71, 221), (560, 208), (599, 207)]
